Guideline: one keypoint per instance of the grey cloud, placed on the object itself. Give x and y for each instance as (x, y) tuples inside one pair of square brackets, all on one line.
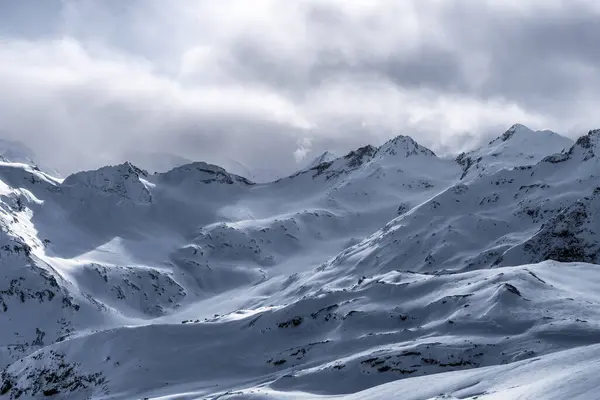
[(331, 49), (92, 82), (535, 59), (429, 68), (544, 60)]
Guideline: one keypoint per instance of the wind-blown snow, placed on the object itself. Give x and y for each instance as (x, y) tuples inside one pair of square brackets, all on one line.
[(384, 273)]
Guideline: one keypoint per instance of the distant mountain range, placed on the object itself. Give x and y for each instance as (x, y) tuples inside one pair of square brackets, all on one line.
[(388, 272)]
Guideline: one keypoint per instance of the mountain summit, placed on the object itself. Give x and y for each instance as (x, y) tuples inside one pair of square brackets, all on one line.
[(517, 146), (325, 157), (404, 146)]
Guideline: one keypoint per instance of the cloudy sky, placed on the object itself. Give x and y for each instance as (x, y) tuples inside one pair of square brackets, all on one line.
[(272, 83)]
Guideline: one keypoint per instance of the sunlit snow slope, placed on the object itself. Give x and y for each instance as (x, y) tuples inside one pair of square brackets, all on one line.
[(385, 273)]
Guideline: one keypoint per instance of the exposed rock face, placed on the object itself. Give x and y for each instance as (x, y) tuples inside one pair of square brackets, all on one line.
[(571, 236)]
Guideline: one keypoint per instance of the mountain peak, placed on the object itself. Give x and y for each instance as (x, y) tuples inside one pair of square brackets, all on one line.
[(199, 165), (518, 146), (202, 172), (124, 169), (521, 136), (325, 157), (510, 132), (123, 180), (404, 145)]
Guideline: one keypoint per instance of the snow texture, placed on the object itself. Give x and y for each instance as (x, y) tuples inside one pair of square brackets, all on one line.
[(385, 273)]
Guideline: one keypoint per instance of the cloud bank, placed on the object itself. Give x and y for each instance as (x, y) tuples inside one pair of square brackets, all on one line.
[(270, 83)]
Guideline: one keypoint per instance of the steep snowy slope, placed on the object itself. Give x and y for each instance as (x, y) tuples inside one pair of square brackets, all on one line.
[(199, 283), (36, 303)]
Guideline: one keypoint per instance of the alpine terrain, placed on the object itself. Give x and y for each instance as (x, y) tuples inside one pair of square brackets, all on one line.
[(386, 273)]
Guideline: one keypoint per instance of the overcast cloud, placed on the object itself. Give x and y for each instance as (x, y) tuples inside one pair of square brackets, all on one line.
[(270, 83)]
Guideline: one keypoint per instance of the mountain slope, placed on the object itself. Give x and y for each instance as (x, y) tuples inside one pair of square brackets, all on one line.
[(339, 342), (386, 264), (566, 374), (472, 225)]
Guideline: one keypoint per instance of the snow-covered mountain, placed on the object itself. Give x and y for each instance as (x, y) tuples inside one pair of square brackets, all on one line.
[(385, 273), (164, 161), (325, 157), (518, 146)]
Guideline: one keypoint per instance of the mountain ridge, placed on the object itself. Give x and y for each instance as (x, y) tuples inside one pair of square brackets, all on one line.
[(387, 264)]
